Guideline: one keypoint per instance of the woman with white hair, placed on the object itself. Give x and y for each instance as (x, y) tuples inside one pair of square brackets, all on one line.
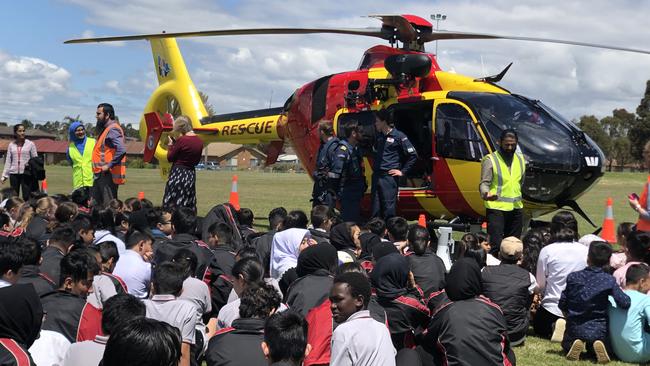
[(184, 153)]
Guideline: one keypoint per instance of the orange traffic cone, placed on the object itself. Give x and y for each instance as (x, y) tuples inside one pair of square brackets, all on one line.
[(140, 196), (422, 221), (44, 186), (609, 227), (234, 195)]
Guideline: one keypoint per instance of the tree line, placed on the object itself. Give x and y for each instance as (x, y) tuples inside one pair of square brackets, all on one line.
[(621, 135)]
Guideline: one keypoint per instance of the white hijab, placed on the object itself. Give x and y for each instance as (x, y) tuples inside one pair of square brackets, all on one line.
[(285, 250)]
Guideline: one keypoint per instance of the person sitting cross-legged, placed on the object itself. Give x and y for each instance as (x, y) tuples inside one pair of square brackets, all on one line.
[(632, 340), (584, 303), (511, 287)]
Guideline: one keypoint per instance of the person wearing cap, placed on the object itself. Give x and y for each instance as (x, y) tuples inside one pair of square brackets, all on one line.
[(502, 177), (511, 287)]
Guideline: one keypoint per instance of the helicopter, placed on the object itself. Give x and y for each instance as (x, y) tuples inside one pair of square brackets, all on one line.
[(452, 120)]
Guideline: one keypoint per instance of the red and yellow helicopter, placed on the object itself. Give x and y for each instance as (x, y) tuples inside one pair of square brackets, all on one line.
[(452, 120)]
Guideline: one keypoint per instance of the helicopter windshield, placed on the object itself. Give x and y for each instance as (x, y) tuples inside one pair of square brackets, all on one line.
[(544, 139)]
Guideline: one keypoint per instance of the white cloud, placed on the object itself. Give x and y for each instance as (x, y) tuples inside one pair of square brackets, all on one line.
[(240, 73), (27, 80)]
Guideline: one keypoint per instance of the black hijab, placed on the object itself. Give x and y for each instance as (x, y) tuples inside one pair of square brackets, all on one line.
[(341, 236), (317, 257), (464, 280), (390, 276), (368, 242), (21, 314)]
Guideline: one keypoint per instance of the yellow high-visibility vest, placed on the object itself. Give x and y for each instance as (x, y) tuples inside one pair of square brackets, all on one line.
[(82, 164), (506, 182)]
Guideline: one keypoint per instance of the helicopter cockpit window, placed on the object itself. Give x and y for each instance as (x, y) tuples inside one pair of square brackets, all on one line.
[(456, 136), (545, 140)]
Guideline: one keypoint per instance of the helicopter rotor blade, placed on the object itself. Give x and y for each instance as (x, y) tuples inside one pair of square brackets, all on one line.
[(369, 32), (452, 35), (403, 27)]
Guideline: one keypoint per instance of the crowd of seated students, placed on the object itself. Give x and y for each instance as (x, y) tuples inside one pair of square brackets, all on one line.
[(134, 284)]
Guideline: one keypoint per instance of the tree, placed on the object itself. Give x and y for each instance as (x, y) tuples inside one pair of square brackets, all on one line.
[(592, 127), (640, 133), (27, 123), (617, 127), (208, 106)]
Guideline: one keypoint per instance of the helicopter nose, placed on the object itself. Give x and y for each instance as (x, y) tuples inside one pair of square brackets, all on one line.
[(544, 183)]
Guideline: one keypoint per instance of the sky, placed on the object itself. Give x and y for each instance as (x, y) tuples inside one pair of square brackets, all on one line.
[(42, 79)]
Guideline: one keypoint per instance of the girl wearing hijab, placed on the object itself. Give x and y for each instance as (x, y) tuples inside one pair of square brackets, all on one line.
[(285, 249), (80, 155), (402, 301), (315, 267), (453, 337), (21, 315), (345, 238)]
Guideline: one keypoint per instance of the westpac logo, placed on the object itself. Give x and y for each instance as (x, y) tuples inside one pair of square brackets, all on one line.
[(592, 160)]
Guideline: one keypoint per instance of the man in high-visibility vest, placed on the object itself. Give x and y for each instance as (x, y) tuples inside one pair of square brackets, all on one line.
[(80, 155), (109, 156), (502, 176)]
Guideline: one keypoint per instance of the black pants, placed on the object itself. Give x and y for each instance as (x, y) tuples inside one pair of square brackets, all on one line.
[(502, 224), (543, 324), (351, 196), (104, 190), (384, 195), (23, 182)]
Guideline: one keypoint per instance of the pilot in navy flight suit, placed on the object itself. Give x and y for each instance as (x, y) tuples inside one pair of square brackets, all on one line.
[(347, 177), (394, 157), (324, 160)]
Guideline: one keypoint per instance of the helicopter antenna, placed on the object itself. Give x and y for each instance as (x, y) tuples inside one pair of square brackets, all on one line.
[(482, 66), (271, 98)]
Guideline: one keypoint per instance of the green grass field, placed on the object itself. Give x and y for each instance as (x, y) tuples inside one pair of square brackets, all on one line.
[(262, 191)]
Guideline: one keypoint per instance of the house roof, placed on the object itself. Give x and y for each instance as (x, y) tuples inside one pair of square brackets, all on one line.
[(61, 147), (134, 147), (30, 133)]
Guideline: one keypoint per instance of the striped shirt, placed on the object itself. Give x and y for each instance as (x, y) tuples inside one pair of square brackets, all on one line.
[(17, 157)]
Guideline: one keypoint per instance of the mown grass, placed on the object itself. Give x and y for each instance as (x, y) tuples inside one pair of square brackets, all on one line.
[(263, 191)]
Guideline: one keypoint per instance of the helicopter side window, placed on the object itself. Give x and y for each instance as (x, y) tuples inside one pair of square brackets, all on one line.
[(456, 135)]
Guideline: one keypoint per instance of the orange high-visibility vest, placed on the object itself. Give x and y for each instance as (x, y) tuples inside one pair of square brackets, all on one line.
[(102, 155), (644, 224)]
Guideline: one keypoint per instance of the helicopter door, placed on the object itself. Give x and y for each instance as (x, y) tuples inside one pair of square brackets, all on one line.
[(458, 147)]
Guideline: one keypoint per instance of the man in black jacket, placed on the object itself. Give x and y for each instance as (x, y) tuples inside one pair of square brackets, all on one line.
[(427, 268), (510, 287), (57, 247), (240, 344), (321, 218), (209, 269), (30, 273), (263, 243)]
